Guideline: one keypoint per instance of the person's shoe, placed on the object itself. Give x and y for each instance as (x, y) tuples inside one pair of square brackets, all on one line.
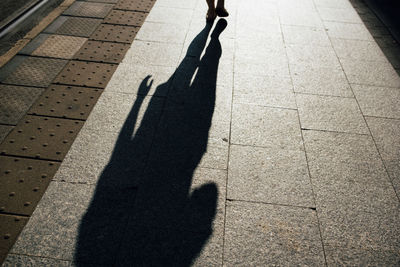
[(221, 12)]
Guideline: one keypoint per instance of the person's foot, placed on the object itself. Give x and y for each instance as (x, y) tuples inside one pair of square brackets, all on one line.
[(211, 15), (221, 12)]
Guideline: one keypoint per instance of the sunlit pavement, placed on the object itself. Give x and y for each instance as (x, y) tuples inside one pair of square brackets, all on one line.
[(272, 138)]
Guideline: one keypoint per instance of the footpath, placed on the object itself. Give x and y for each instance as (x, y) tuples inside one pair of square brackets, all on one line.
[(135, 134)]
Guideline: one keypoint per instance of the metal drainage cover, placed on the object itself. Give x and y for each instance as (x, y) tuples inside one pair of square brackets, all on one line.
[(86, 74), (66, 102), (102, 52), (59, 46), (23, 183), (41, 138), (87, 9), (115, 33), (126, 18), (35, 71), (83, 27), (15, 102), (10, 227), (138, 5)]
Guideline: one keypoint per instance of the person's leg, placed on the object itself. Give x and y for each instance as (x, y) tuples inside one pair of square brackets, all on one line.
[(211, 15), (220, 9)]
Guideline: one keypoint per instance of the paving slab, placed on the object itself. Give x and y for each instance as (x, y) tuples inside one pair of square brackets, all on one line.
[(66, 102), (153, 54), (330, 114), (259, 234), (71, 223), (102, 52), (386, 136), (339, 14), (305, 35), (88, 9), (264, 91), (143, 5), (170, 15), (10, 228), (83, 73), (160, 32), (358, 50), (15, 102), (370, 73), (298, 17), (41, 138), (347, 31), (74, 26), (256, 174), (347, 172), (33, 71), (22, 260), (263, 126), (115, 33), (128, 18), (4, 131), (58, 46), (113, 109), (23, 183), (326, 80), (128, 79), (378, 101)]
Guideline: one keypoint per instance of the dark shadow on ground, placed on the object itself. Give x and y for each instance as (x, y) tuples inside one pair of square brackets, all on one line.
[(382, 19), (149, 215)]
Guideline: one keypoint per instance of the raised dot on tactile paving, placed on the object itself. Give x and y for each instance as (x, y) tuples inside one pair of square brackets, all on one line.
[(35, 189), (26, 204), (12, 194), (7, 236)]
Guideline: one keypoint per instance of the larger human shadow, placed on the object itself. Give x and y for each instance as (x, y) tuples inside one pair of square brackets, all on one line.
[(144, 211)]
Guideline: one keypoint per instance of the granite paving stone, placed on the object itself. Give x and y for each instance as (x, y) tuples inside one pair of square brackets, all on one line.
[(358, 50), (112, 110), (160, 32), (276, 66), (305, 35), (346, 171), (370, 73), (259, 234), (338, 14), (343, 256), (299, 17), (378, 101), (327, 80), (386, 136), (128, 79), (94, 153), (315, 56), (352, 31), (170, 15), (330, 114), (342, 4), (151, 53), (76, 221), (15, 260), (263, 126), (264, 91), (269, 175)]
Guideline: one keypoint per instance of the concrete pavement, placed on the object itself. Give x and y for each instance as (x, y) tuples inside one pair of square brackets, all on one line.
[(271, 138)]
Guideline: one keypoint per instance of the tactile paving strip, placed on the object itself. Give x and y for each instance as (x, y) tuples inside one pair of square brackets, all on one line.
[(41, 138), (137, 5), (35, 71), (115, 33), (10, 228), (66, 102), (102, 52), (129, 18), (104, 1), (86, 74), (83, 27), (59, 46), (15, 102), (23, 182), (88, 9)]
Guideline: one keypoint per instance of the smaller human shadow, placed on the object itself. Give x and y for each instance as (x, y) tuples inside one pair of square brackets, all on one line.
[(145, 210)]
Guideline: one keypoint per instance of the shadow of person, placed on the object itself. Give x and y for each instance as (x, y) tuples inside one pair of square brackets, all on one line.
[(145, 210)]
